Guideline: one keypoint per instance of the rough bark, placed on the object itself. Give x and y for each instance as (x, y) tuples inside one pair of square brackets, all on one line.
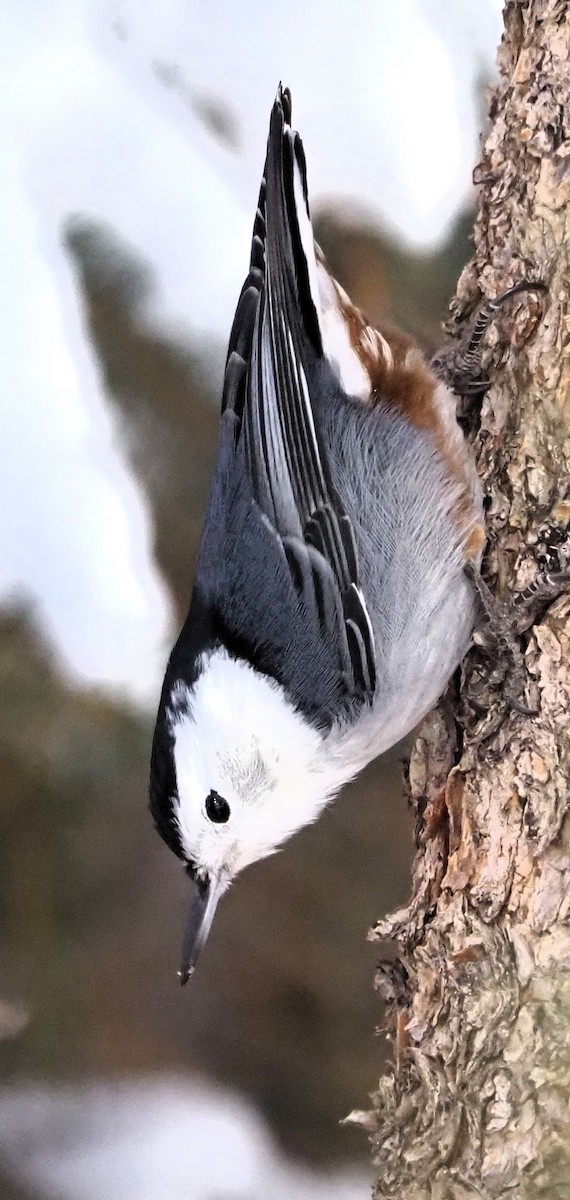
[(478, 1102)]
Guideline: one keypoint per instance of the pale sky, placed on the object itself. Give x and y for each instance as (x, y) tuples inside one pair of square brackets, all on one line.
[(383, 95)]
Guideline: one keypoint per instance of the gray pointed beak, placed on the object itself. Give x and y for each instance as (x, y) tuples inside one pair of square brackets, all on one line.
[(200, 917)]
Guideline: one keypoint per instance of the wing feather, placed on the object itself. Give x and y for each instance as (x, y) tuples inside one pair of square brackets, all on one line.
[(274, 347)]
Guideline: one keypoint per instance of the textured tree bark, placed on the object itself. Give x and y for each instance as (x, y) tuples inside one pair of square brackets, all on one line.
[(478, 1102)]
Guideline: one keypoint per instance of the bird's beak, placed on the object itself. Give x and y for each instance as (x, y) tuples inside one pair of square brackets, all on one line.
[(200, 917)]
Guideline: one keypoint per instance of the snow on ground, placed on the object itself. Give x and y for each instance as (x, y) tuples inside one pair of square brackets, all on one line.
[(158, 1139)]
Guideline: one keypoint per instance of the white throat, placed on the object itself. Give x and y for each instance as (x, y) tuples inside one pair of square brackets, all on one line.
[(236, 732)]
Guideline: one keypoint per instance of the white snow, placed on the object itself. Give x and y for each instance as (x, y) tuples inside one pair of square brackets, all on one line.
[(157, 1139), (384, 97)]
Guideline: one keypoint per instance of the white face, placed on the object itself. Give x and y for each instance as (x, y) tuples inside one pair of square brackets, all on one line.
[(236, 734)]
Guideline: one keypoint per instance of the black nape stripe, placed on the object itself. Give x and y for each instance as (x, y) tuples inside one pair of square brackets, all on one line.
[(163, 788)]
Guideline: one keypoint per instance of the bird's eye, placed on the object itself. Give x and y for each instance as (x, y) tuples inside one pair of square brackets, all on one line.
[(217, 809)]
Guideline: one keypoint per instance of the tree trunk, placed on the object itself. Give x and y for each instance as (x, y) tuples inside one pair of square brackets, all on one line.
[(478, 1102)]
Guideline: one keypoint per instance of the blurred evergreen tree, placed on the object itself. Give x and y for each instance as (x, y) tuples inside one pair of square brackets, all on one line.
[(161, 390)]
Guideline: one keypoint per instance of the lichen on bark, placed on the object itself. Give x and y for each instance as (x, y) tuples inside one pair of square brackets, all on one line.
[(478, 1101)]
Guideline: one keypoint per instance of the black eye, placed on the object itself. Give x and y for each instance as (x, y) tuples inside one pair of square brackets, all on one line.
[(217, 808)]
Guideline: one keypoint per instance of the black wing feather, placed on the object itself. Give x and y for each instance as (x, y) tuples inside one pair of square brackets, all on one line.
[(274, 346)]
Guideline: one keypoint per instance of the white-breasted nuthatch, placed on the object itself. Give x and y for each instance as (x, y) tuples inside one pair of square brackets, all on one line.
[(331, 603)]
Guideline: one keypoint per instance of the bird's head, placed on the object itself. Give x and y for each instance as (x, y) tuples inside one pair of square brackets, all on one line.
[(236, 769)]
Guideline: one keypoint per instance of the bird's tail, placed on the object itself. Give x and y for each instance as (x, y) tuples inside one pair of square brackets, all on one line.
[(290, 246), (282, 265)]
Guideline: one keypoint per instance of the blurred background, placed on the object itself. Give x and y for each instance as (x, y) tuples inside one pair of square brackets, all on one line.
[(131, 147)]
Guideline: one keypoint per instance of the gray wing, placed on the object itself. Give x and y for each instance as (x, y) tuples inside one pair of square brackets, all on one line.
[(275, 374)]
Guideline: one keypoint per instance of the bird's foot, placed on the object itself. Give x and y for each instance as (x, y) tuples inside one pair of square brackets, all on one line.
[(544, 590), (493, 693), (460, 365)]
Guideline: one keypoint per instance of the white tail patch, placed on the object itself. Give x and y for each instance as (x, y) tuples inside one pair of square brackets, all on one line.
[(331, 303), (349, 356)]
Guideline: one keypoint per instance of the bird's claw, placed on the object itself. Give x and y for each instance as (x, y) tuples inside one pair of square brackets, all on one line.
[(460, 365), (497, 635)]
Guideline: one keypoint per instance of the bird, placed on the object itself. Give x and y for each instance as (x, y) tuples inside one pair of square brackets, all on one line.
[(333, 595)]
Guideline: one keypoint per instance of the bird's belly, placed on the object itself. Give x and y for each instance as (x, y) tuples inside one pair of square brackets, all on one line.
[(410, 532), (414, 669)]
